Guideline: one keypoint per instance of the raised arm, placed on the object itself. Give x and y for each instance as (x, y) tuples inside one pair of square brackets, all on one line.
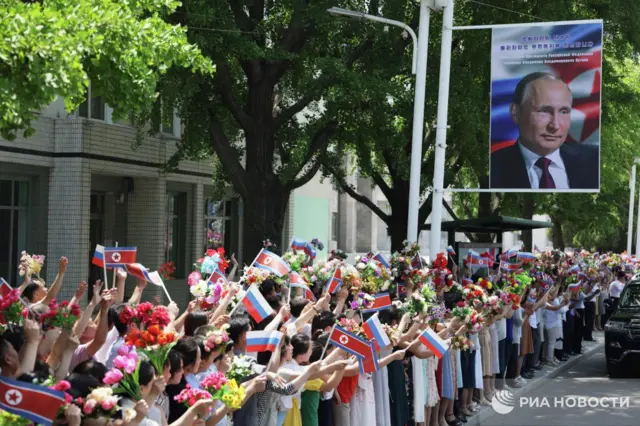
[(55, 288), (137, 293)]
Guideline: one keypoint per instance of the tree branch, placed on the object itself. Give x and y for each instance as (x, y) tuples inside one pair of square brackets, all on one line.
[(317, 146), (350, 190), (469, 235), (228, 157), (225, 88), (242, 19)]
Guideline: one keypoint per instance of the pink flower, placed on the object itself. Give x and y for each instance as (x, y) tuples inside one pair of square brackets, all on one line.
[(89, 406), (107, 405), (112, 377), (62, 385), (194, 278)]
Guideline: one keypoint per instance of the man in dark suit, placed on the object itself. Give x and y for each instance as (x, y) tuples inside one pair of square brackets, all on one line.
[(540, 159)]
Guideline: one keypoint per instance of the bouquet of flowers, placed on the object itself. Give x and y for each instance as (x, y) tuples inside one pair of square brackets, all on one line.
[(224, 390), (8, 419), (338, 255), (124, 374), (321, 272), (485, 284), (461, 343), (154, 343), (217, 339), (393, 333), (373, 277), (147, 314), (101, 402), (212, 260), (30, 264), (420, 277), (240, 368), (441, 261), (254, 275), (189, 396), (362, 301), (12, 308), (295, 259), (493, 306), (400, 266), (468, 316), (351, 326), (475, 295), (436, 313), (414, 305), (64, 316), (167, 270)]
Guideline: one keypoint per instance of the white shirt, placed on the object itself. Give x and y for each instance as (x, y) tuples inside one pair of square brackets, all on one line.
[(102, 356), (501, 326), (616, 288), (556, 168)]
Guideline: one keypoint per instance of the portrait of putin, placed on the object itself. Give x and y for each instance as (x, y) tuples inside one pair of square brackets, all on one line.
[(541, 159)]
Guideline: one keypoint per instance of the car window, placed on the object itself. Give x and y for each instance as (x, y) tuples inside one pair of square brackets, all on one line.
[(631, 297)]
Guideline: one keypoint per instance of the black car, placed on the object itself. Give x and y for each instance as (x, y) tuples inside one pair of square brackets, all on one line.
[(622, 331)]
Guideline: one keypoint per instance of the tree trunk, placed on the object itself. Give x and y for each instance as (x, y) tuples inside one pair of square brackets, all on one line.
[(484, 209), (398, 223), (264, 212), (528, 208), (557, 238)]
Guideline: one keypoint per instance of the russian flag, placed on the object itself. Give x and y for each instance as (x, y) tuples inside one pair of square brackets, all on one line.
[(523, 255), (5, 288), (98, 256), (139, 271), (305, 246), (296, 281), (471, 255), (263, 341), (451, 251), (575, 287), (381, 260), (272, 263), (433, 342), (256, 304), (375, 332), (217, 277), (119, 257), (381, 302), (369, 364), (335, 282), (349, 342), (38, 404)]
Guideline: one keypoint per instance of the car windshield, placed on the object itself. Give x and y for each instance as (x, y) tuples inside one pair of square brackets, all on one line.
[(631, 297)]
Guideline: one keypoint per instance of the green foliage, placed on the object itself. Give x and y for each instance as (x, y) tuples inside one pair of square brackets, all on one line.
[(52, 48)]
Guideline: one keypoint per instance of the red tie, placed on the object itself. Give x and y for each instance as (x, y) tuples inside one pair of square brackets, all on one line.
[(546, 180)]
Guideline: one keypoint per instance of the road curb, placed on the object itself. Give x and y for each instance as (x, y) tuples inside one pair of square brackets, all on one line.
[(487, 412)]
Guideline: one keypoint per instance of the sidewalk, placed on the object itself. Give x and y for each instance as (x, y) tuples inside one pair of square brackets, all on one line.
[(542, 376)]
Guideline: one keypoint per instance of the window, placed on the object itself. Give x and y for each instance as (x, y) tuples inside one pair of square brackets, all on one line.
[(175, 232), (221, 221), (334, 226), (92, 107), (14, 196), (168, 127)]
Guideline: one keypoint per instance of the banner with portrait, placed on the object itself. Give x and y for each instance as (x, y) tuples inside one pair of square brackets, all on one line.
[(546, 84)]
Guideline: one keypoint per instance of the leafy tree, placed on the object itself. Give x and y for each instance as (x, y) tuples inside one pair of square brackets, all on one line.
[(53, 48), (380, 135), (285, 73)]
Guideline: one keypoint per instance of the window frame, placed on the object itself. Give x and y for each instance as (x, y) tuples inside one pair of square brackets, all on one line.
[(89, 101), (177, 221), (13, 272)]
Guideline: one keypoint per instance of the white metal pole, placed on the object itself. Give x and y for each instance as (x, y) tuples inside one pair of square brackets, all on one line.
[(441, 130), (418, 121), (637, 233), (632, 195)]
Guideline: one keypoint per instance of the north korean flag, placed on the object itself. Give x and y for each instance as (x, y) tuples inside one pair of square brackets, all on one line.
[(349, 342), (369, 364), (381, 302), (272, 262), (217, 278), (119, 257), (5, 288), (38, 404), (335, 282)]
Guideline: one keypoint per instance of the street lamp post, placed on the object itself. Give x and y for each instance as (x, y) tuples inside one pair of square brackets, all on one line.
[(419, 68), (632, 190)]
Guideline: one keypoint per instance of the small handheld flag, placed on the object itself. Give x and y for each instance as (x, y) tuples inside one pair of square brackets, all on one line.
[(402, 289), (335, 282), (217, 277), (381, 260), (118, 257), (38, 404), (451, 251), (139, 271), (98, 256), (381, 302), (263, 341), (375, 332), (272, 262), (5, 288), (256, 304), (296, 281), (349, 342), (416, 262), (523, 255), (305, 246), (433, 342), (575, 287), (369, 364)]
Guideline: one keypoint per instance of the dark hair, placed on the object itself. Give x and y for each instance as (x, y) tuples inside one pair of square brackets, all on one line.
[(297, 305), (114, 318), (622, 274), (228, 348), (274, 301), (188, 348), (388, 316), (174, 361), (523, 85), (29, 291), (203, 330), (82, 384), (146, 371), (321, 321), (40, 373), (300, 343), (238, 324), (14, 336), (92, 368), (205, 354), (193, 321), (317, 346), (267, 287)]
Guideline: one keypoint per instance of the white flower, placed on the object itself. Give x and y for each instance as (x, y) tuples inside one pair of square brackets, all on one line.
[(360, 266), (101, 395), (199, 290)]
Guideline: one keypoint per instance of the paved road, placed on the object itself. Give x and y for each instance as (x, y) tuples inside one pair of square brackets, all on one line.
[(558, 399)]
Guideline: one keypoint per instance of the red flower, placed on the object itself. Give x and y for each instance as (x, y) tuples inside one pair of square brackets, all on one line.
[(160, 316), (127, 315), (144, 311)]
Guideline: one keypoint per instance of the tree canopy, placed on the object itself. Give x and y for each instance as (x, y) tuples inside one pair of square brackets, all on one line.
[(52, 48)]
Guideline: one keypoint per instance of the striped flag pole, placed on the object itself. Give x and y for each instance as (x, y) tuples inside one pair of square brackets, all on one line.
[(257, 256), (324, 350), (104, 268), (114, 275)]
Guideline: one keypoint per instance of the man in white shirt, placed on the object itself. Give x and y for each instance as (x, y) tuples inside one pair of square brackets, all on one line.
[(616, 287)]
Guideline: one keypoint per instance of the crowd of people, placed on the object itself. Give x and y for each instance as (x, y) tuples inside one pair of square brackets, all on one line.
[(262, 350)]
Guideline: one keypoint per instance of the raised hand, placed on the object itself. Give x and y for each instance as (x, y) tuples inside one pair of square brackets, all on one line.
[(62, 265), (97, 287), (81, 290)]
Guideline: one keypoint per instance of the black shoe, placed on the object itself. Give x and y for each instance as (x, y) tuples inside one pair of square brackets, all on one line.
[(538, 367), (563, 359), (590, 340), (461, 418), (455, 422)]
